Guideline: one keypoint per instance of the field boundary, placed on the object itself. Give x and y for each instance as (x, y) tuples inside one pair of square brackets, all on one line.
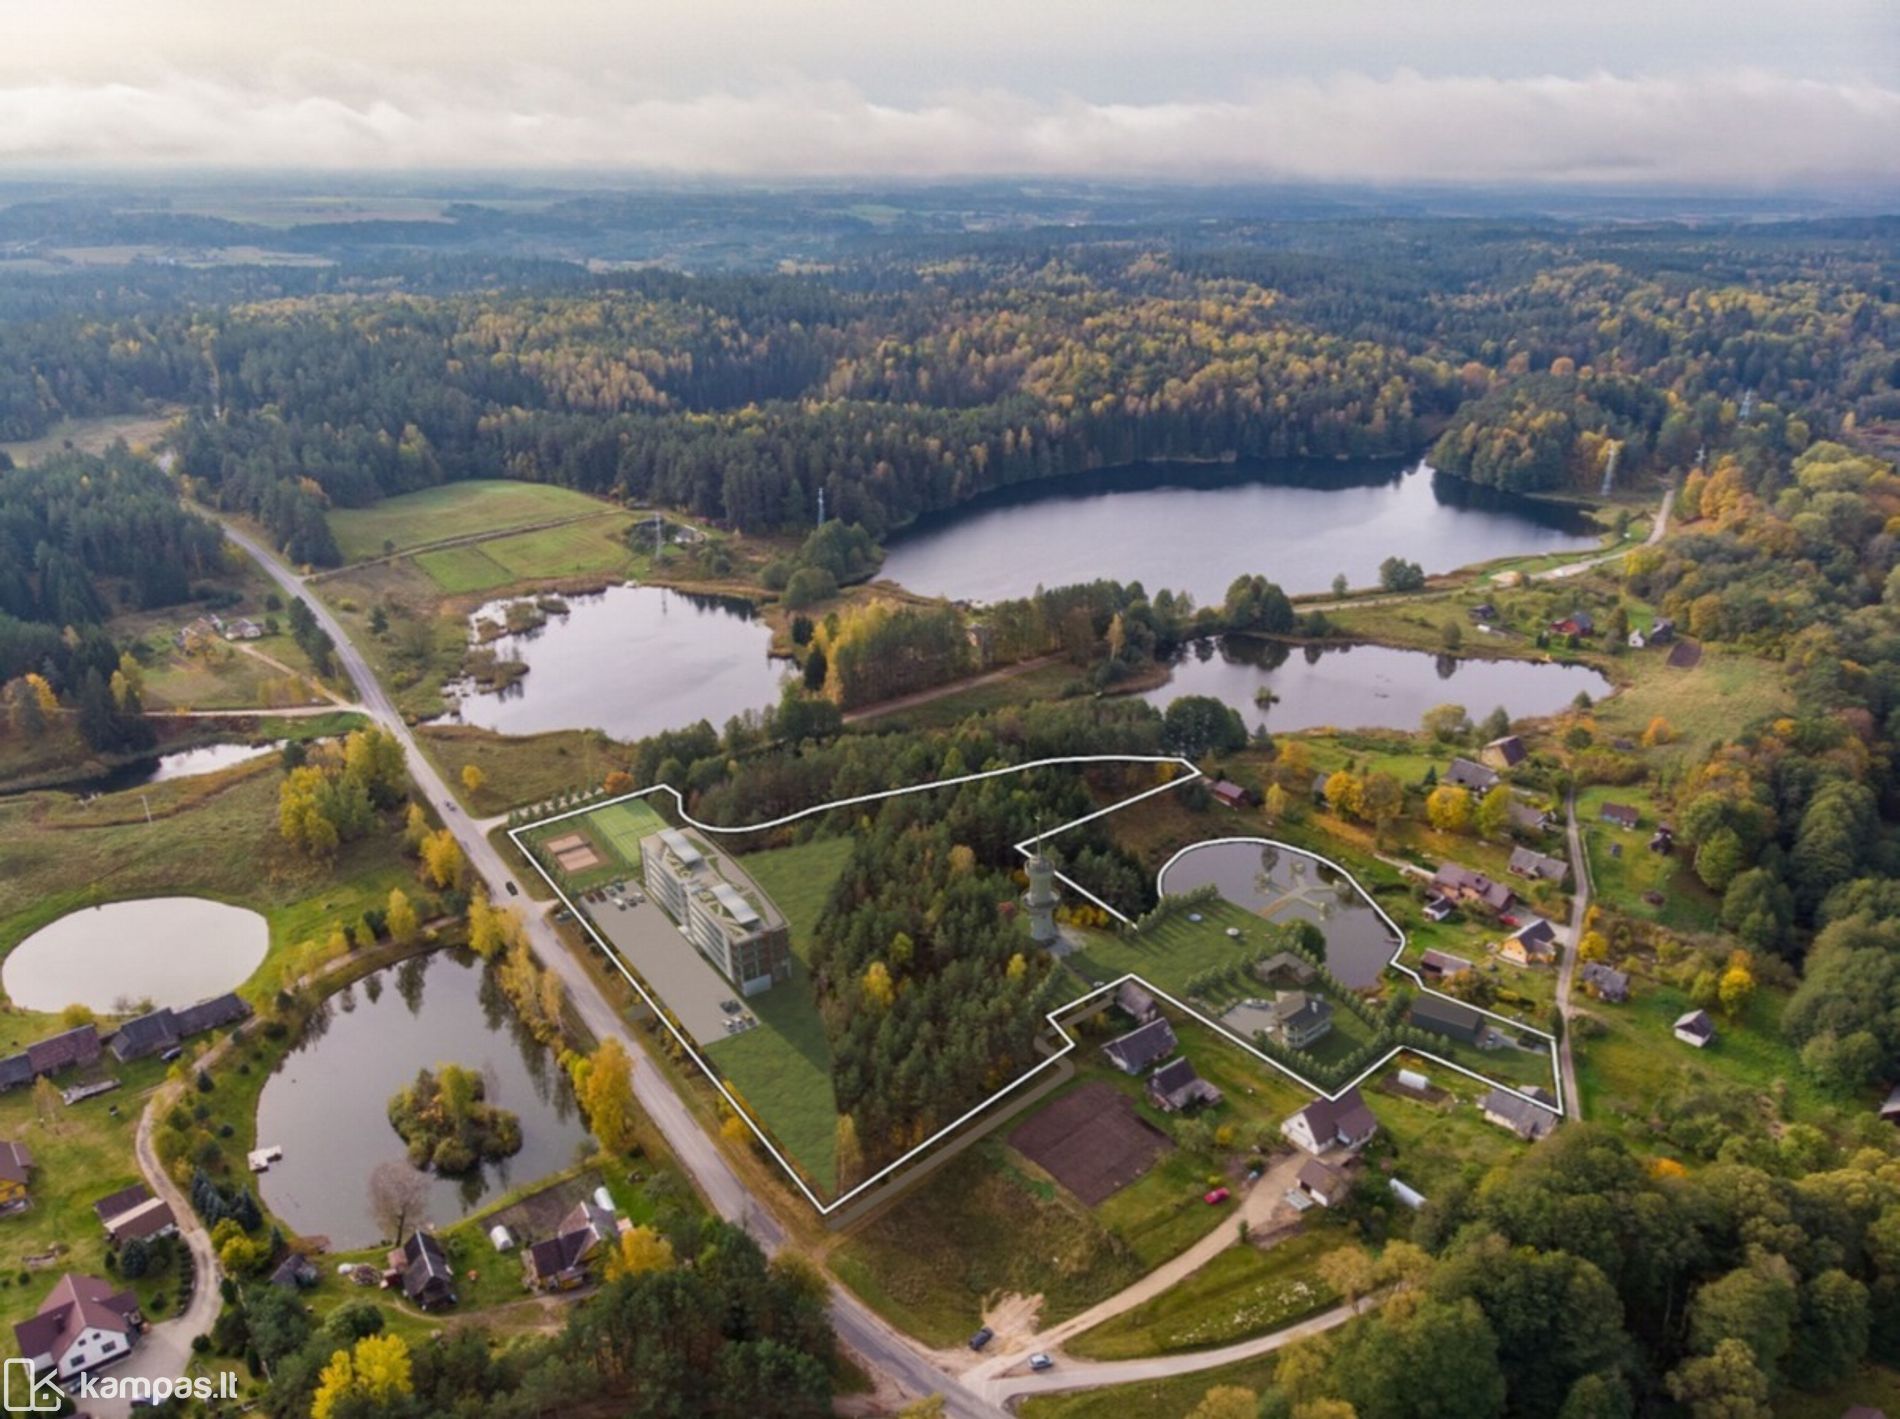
[(1069, 1043)]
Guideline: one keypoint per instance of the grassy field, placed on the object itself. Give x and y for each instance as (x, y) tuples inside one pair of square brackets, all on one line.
[(465, 509), (92, 435), (1176, 950), (1241, 1293), (1044, 682), (783, 1068), (461, 569), (80, 1155), (518, 770), (624, 824), (1637, 1063), (1152, 1399), (930, 1262), (1621, 878), (1712, 702), (1436, 1144)]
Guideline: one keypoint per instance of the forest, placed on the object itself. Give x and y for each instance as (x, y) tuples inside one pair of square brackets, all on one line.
[(919, 372)]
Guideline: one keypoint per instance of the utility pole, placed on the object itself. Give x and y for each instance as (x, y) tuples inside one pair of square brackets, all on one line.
[(821, 506)]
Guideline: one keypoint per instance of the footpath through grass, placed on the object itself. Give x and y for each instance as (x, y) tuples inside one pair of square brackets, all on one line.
[(1172, 1398)]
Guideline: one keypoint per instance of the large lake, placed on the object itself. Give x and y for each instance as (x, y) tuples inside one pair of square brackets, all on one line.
[(631, 661), (1366, 686), (168, 950), (326, 1106), (1284, 884), (1195, 527)]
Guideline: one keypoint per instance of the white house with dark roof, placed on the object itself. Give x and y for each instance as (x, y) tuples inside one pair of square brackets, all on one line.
[(82, 1324), (1518, 1114), (1471, 776), (1326, 1124)]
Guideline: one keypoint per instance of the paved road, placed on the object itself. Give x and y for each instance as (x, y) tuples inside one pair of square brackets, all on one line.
[(884, 1349), (1657, 531), (1091, 1374), (1567, 968)]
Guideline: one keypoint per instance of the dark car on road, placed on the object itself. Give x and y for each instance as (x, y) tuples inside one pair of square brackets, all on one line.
[(981, 1338)]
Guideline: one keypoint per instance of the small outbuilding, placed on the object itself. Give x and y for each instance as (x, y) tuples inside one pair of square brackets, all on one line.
[(1696, 1028)]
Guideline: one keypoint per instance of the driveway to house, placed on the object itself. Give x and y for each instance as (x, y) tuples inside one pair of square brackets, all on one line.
[(882, 1347), (165, 1349), (1257, 1207)]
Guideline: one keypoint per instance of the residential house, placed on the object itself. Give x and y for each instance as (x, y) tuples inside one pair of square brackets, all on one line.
[(1299, 1020), (1577, 623), (1135, 1051), (1505, 753), (1620, 815), (1318, 1182), (16, 1167), (1890, 1110), (1175, 1086), (1518, 1114), (1436, 965), (1532, 944), (1484, 613), (82, 1324), (1319, 788), (560, 1263), (1539, 866), (1448, 1018), (165, 1029), (51, 1056), (1136, 1002), (296, 1272), (1287, 964), (1344, 1122), (1605, 983), (421, 1268), (1661, 633), (1663, 840), (1529, 818), (1471, 776), (1463, 886), (1696, 1028), (132, 1213), (1230, 793)]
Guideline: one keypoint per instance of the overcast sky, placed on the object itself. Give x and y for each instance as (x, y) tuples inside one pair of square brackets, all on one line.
[(1728, 94)]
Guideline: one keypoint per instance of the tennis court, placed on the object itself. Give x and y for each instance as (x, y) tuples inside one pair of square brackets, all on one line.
[(622, 825)]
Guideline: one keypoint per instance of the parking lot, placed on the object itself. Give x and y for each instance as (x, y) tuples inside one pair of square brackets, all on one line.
[(646, 937)]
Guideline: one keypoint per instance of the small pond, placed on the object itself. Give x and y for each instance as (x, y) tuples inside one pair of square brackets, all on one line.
[(168, 950), (1365, 686), (630, 661), (1284, 884), (326, 1106)]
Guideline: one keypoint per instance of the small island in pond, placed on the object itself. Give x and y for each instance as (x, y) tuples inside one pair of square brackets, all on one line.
[(448, 1126)]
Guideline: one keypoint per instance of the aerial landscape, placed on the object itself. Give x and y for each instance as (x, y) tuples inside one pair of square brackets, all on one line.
[(785, 711)]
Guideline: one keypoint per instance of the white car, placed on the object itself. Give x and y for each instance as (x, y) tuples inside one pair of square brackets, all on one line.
[(1041, 1361)]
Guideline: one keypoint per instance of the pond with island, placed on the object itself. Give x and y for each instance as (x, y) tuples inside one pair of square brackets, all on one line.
[(1365, 686), (114, 958), (629, 661), (1283, 884), (326, 1106)]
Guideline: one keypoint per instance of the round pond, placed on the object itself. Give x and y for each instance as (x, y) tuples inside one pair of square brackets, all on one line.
[(168, 950)]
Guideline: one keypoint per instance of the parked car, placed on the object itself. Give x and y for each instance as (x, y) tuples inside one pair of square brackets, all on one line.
[(1217, 1196), (981, 1338), (513, 890), (1040, 1361)]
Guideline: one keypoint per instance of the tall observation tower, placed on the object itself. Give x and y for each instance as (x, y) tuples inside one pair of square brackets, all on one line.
[(1042, 899)]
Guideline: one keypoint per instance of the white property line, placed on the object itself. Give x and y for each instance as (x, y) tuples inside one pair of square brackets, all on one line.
[(1069, 1043)]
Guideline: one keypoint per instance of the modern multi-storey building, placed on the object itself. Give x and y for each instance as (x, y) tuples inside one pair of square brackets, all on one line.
[(722, 911)]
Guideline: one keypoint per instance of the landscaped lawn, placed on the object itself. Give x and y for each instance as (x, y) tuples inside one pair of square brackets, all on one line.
[(464, 568), (1173, 952), (461, 509), (1436, 1144), (782, 1068), (1243, 1292)]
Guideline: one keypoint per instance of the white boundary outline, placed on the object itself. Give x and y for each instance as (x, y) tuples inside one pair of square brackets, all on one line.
[(1069, 1042)]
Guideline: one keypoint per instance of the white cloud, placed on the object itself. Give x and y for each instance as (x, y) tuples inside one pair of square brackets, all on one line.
[(1734, 128)]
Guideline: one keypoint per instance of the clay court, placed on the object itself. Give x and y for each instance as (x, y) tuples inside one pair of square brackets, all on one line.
[(577, 859), (1091, 1141)]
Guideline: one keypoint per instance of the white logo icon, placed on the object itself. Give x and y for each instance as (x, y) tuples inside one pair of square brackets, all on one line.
[(23, 1392)]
